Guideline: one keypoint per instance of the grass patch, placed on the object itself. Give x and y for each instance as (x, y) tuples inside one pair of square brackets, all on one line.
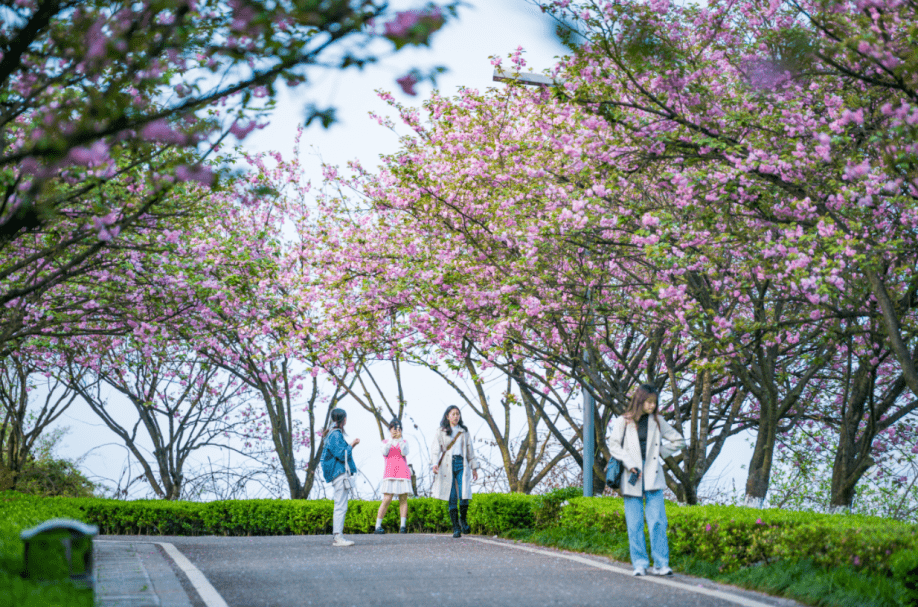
[(801, 580), (805, 582), (591, 541), (17, 592)]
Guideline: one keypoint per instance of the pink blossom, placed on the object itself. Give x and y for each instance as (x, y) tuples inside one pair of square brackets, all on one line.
[(407, 83), (404, 21), (160, 131), (91, 156), (201, 174)]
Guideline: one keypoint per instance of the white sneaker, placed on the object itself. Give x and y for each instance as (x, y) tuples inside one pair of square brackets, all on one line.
[(661, 571), (340, 541), (639, 571)]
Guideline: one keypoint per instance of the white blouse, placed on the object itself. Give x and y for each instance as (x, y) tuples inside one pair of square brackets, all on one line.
[(400, 443), (458, 447)]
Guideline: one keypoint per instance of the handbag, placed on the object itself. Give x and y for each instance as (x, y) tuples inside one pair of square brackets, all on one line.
[(614, 471), (348, 483), (614, 474)]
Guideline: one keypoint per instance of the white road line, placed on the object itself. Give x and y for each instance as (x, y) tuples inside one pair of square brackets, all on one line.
[(205, 590), (739, 600), (208, 593)]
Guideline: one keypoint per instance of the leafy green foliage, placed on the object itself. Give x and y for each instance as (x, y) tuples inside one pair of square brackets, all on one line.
[(736, 537), (18, 592), (495, 512), (546, 509), (47, 476), (806, 556), (800, 580), (19, 512)]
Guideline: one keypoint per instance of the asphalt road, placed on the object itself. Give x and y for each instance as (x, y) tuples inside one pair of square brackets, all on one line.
[(419, 569)]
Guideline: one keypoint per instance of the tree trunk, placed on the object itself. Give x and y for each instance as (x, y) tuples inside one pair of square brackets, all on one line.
[(762, 458), (891, 321)]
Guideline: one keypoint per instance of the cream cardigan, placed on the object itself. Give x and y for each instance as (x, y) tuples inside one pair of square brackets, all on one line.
[(630, 453)]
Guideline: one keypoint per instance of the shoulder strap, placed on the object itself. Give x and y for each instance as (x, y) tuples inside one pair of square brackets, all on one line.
[(448, 447)]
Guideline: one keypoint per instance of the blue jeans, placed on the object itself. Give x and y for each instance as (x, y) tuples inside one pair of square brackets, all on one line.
[(455, 491), (656, 522)]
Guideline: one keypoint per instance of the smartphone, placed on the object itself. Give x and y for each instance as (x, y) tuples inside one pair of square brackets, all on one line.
[(633, 479)]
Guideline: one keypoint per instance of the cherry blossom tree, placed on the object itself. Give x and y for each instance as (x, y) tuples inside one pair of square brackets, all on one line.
[(795, 118), (108, 107), (237, 278), (31, 400), (179, 404), (485, 248), (79, 78)]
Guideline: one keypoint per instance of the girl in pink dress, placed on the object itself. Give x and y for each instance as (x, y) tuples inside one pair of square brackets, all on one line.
[(397, 477)]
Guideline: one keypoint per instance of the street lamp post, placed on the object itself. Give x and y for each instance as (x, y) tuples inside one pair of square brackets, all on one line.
[(589, 409), (502, 75), (589, 403)]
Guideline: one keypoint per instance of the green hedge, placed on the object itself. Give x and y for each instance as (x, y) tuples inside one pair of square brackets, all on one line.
[(490, 513), (736, 537), (730, 538)]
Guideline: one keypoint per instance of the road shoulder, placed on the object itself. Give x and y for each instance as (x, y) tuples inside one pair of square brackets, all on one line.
[(136, 574), (734, 594)]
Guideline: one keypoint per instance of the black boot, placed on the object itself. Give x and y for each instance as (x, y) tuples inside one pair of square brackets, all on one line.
[(463, 519), (454, 517)]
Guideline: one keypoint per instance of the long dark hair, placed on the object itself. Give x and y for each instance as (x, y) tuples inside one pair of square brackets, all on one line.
[(444, 423), (338, 415), (635, 409)]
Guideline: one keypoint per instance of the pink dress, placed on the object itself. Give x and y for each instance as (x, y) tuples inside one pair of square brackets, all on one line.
[(397, 476)]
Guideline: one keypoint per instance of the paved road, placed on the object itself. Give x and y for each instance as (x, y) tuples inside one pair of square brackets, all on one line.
[(415, 569)]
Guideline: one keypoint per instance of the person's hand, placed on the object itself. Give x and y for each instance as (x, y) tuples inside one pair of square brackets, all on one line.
[(355, 442), (474, 475), (635, 471), (436, 469)]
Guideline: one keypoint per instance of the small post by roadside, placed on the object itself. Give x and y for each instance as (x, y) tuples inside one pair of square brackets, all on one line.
[(60, 550)]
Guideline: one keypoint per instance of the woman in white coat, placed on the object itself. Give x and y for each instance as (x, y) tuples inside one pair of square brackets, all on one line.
[(452, 457), (636, 441)]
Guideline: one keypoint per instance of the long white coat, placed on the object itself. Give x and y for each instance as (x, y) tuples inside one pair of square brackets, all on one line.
[(443, 480), (630, 453)]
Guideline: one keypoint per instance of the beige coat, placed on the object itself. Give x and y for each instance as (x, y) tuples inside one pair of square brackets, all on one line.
[(630, 453), (443, 480)]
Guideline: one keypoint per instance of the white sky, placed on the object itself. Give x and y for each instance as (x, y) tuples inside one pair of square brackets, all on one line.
[(484, 28)]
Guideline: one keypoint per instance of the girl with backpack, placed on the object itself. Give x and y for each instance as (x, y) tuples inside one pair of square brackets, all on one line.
[(452, 457), (396, 477), (636, 441), (338, 467)]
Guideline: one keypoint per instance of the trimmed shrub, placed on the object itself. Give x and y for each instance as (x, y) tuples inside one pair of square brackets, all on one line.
[(253, 517), (546, 509), (736, 537), (142, 517), (496, 512)]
